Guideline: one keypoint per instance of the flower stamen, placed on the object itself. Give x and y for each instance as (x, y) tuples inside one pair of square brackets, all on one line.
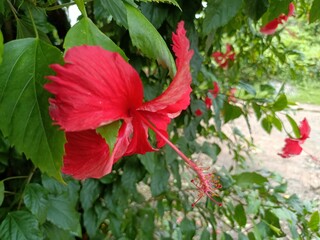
[(205, 183)]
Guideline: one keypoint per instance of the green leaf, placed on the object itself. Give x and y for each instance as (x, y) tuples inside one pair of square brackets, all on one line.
[(2, 8), (25, 29), (71, 188), (146, 219), (241, 236), (115, 8), (247, 179), (251, 236), (314, 14), (314, 223), (36, 200), (24, 102), (160, 177), (90, 222), (1, 192), (20, 225), (240, 215), (219, 13), (247, 87), (217, 104), (231, 112), (145, 37), (211, 149), (277, 123), (256, 8), (294, 126), (148, 161), (86, 32), (273, 223), (175, 169), (52, 232), (155, 13), (89, 193), (267, 124), (62, 213), (132, 173), (226, 236), (205, 234), (281, 103), (173, 2), (257, 110), (92, 219), (1, 46), (188, 228), (285, 214), (110, 133)]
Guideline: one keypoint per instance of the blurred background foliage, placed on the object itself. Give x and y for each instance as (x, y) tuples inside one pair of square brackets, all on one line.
[(149, 196)]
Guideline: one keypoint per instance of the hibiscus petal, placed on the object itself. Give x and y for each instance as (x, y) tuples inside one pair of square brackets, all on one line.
[(270, 27), (198, 112), (292, 147), (291, 9), (177, 96), (139, 143), (304, 130), (208, 102), (215, 90), (123, 141), (87, 155), (93, 88), (161, 122), (229, 48), (219, 58)]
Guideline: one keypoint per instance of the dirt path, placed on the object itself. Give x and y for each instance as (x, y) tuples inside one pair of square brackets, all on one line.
[(302, 173)]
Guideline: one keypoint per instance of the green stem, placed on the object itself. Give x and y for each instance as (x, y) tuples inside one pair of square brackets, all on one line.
[(33, 24), (27, 182), (12, 178), (14, 11), (56, 7)]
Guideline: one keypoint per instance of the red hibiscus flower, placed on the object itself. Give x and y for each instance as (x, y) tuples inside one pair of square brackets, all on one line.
[(95, 88), (223, 59), (272, 26), (198, 112), (215, 91), (292, 146), (208, 102)]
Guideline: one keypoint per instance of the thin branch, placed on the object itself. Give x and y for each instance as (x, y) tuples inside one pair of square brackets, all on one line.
[(56, 7)]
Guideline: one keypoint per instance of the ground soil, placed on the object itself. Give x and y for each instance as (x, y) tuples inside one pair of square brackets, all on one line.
[(302, 172)]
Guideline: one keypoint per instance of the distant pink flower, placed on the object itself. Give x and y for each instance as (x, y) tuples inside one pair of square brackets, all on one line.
[(231, 97), (272, 26), (292, 146), (208, 102), (223, 59), (214, 92), (198, 112)]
